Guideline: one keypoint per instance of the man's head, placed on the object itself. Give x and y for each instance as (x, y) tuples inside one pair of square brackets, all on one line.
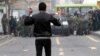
[(42, 6)]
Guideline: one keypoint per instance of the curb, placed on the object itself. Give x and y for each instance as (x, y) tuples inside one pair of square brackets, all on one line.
[(4, 38), (95, 34)]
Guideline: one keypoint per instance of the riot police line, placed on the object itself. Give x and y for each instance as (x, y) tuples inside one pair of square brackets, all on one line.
[(71, 25)]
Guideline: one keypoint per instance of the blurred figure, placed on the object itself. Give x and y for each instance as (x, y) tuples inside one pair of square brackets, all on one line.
[(4, 24), (30, 28), (24, 31), (91, 18), (19, 27), (98, 19), (96, 16), (13, 25), (76, 13)]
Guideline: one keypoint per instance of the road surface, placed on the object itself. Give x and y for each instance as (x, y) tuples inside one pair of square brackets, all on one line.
[(88, 45)]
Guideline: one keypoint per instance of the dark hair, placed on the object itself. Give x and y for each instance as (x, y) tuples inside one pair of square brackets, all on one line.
[(42, 6)]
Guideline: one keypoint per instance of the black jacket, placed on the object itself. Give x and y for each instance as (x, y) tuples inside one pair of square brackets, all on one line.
[(41, 21)]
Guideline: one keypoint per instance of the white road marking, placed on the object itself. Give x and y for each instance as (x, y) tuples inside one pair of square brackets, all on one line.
[(93, 48), (6, 42), (26, 50), (61, 49), (92, 39), (61, 53), (58, 41)]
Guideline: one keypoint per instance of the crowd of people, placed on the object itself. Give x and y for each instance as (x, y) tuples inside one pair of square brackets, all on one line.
[(9, 25), (18, 28), (95, 19)]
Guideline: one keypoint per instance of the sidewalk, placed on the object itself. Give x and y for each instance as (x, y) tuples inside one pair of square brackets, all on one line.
[(96, 33)]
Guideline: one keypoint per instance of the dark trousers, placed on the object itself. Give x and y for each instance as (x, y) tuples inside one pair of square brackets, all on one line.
[(4, 29), (40, 43), (13, 30)]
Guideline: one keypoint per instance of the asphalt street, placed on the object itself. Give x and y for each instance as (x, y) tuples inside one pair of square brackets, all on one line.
[(88, 45)]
